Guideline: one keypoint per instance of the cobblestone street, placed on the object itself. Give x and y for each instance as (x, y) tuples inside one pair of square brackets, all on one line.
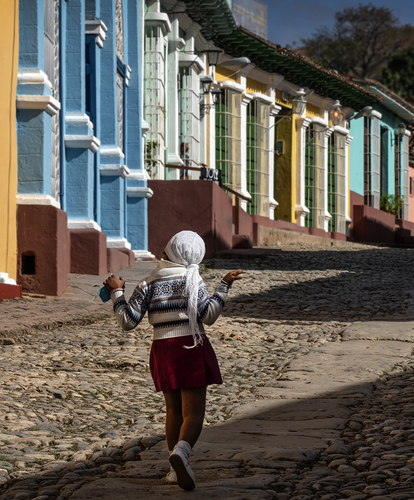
[(78, 405)]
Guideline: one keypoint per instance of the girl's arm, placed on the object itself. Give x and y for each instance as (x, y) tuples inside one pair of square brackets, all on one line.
[(209, 308), (129, 315)]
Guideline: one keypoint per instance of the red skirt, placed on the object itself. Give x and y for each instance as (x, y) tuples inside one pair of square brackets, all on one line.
[(174, 367)]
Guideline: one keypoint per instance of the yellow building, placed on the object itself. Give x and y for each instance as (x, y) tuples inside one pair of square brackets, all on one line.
[(9, 44), (282, 136)]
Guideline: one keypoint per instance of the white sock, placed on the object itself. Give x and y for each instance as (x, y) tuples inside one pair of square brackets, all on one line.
[(171, 467), (184, 447)]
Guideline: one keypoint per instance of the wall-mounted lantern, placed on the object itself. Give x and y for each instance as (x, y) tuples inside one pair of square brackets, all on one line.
[(337, 115), (215, 99)]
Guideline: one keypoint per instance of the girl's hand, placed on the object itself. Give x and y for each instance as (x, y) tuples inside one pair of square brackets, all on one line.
[(232, 276), (113, 282)]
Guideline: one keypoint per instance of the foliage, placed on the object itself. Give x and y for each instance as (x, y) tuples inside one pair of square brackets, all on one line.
[(150, 162), (399, 74), (392, 204), (362, 41)]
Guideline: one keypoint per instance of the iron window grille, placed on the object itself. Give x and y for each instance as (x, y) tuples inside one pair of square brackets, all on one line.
[(51, 48), (337, 183), (314, 175), (189, 119), (228, 138), (257, 157), (154, 100)]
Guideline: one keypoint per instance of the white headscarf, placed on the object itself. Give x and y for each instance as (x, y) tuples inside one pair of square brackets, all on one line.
[(188, 249)]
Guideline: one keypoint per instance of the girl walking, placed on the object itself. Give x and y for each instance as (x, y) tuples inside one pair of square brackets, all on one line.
[(182, 360)]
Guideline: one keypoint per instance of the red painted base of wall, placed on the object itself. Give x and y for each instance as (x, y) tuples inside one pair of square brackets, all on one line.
[(88, 252), (117, 259), (43, 244), (130, 254), (404, 233), (10, 291), (199, 206)]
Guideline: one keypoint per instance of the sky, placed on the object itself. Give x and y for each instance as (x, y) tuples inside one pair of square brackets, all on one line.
[(291, 20)]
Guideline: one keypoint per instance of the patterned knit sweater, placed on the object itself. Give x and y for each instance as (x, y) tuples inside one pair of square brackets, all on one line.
[(162, 296)]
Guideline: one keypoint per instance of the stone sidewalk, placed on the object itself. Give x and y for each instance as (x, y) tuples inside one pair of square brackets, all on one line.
[(335, 424), (79, 304)]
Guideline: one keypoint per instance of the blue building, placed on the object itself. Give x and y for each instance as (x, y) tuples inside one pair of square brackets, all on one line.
[(82, 190)]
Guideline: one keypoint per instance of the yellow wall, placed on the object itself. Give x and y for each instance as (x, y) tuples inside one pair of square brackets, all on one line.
[(9, 44), (225, 74), (255, 86), (281, 102), (283, 172), (312, 111)]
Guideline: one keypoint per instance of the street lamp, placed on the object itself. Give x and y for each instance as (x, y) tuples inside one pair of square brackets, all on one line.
[(299, 103), (215, 99), (337, 115)]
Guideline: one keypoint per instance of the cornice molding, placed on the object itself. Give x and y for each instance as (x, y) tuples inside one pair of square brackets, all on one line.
[(36, 199), (139, 192), (118, 243), (114, 170), (111, 152), (160, 19), (40, 102), (98, 28), (33, 76), (82, 142), (83, 224)]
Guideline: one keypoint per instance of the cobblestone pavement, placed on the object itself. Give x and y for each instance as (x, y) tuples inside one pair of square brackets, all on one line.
[(77, 403)]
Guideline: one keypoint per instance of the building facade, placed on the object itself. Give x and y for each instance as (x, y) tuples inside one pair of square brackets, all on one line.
[(9, 46), (82, 186)]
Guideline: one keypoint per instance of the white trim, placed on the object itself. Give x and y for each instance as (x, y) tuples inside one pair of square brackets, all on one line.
[(36, 199), (41, 102), (82, 142), (246, 99), (189, 60), (275, 109), (143, 254), (98, 28), (4, 278), (127, 74), (33, 76), (144, 128), (341, 130), (176, 44), (112, 151), (232, 86), (262, 97), (160, 19), (83, 224), (318, 121), (407, 133), (138, 175), (78, 119), (139, 192), (116, 170), (374, 114), (118, 243)]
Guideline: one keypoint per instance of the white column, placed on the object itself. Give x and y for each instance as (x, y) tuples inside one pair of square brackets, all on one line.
[(245, 100), (301, 210), (274, 111)]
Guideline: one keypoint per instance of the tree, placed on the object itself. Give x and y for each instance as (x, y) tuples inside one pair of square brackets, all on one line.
[(399, 74), (362, 41)]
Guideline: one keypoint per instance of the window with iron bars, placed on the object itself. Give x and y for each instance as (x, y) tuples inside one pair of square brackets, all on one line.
[(51, 45), (228, 138), (337, 183), (397, 168), (314, 176), (154, 101), (368, 199), (257, 164), (189, 116)]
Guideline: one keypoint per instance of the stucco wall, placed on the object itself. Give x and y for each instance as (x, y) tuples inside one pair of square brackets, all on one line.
[(9, 45), (283, 172), (199, 206)]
